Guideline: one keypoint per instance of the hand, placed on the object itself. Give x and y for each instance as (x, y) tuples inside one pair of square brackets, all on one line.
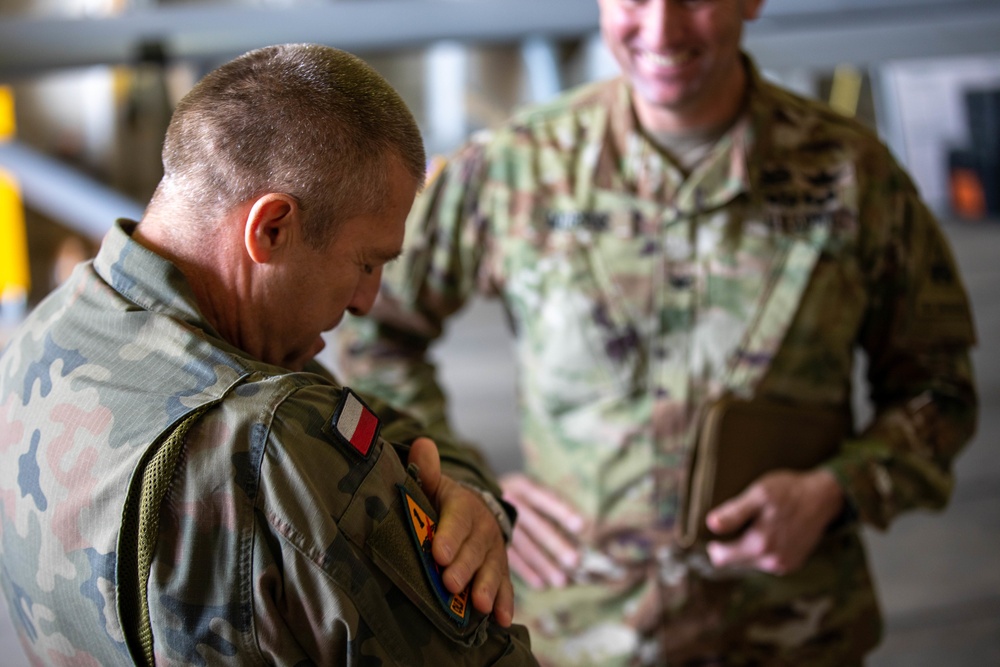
[(785, 514), (541, 550), (468, 542)]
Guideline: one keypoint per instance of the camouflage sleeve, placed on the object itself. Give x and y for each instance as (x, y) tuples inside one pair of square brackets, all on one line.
[(342, 573), (386, 353), (462, 463), (917, 337)]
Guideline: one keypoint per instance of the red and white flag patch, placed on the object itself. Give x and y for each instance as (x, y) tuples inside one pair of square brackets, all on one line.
[(355, 424)]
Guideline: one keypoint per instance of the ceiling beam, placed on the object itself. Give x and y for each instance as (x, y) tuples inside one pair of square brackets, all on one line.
[(63, 193), (869, 32), (214, 32), (789, 33)]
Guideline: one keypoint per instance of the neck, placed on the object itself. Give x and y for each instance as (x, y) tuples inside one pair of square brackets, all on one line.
[(216, 280)]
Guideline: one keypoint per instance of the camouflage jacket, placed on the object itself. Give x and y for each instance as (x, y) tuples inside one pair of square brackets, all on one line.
[(638, 293), (289, 532)]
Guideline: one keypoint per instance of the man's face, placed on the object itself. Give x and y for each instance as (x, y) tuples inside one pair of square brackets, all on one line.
[(682, 56), (342, 276)]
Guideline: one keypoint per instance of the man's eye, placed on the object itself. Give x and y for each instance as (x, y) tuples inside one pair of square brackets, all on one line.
[(368, 268)]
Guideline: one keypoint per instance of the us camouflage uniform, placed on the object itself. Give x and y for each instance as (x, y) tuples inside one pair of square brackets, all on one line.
[(636, 295), (281, 541)]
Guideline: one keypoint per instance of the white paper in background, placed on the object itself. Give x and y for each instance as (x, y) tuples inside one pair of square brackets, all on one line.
[(928, 99)]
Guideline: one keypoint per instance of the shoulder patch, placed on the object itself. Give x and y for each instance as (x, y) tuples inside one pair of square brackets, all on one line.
[(422, 528), (354, 424)]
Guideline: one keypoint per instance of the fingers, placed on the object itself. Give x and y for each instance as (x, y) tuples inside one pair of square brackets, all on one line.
[(732, 515), (503, 607), (758, 549), (468, 543), (524, 566), (492, 590), (544, 547), (745, 551), (787, 512), (538, 567), (470, 547), (424, 453), (521, 491), (748, 549), (542, 550)]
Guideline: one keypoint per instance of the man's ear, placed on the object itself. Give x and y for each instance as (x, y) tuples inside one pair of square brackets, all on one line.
[(272, 224)]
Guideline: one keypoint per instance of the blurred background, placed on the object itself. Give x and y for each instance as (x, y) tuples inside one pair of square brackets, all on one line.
[(87, 88)]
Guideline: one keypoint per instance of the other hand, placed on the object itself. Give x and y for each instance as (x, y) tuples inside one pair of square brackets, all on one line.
[(468, 542), (785, 514), (542, 550)]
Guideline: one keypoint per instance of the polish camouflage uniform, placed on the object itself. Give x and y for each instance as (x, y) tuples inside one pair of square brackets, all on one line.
[(279, 541), (636, 295)]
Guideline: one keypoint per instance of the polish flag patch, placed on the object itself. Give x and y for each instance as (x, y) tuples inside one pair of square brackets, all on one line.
[(355, 424)]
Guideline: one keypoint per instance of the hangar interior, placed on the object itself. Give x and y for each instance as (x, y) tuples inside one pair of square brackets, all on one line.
[(87, 87)]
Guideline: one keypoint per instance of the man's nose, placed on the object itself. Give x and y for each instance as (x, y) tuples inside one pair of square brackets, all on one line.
[(664, 23), (364, 295)]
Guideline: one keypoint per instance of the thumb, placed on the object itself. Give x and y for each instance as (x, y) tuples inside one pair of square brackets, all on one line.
[(733, 514), (424, 454)]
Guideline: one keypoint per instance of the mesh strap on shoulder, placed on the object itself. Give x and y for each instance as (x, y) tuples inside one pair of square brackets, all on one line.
[(137, 540)]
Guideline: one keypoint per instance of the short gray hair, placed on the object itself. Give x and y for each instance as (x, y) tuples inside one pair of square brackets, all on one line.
[(310, 121)]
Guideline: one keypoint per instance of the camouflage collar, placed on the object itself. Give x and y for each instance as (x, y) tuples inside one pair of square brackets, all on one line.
[(724, 175), (631, 162), (146, 279)]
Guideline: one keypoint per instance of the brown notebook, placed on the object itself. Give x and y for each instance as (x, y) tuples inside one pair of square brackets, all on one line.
[(741, 439)]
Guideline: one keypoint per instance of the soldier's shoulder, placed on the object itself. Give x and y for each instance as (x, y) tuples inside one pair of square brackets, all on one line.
[(572, 101), (814, 130), (573, 106), (788, 107), (316, 425)]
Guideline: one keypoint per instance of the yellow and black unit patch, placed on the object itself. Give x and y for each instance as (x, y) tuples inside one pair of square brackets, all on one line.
[(422, 528)]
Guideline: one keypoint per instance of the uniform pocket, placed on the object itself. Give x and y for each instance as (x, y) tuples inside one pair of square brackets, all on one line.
[(516, 650), (380, 523), (400, 546), (383, 520)]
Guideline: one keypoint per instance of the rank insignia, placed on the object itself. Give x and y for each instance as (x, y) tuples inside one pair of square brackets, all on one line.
[(422, 528), (354, 424)]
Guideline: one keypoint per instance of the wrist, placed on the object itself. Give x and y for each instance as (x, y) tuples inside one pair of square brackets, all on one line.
[(504, 513), (832, 494)]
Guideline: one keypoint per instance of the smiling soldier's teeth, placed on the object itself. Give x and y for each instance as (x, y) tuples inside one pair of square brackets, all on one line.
[(661, 60)]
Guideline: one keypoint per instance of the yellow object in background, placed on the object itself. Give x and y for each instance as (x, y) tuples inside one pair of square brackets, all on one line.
[(14, 275), (6, 113), (846, 90)]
